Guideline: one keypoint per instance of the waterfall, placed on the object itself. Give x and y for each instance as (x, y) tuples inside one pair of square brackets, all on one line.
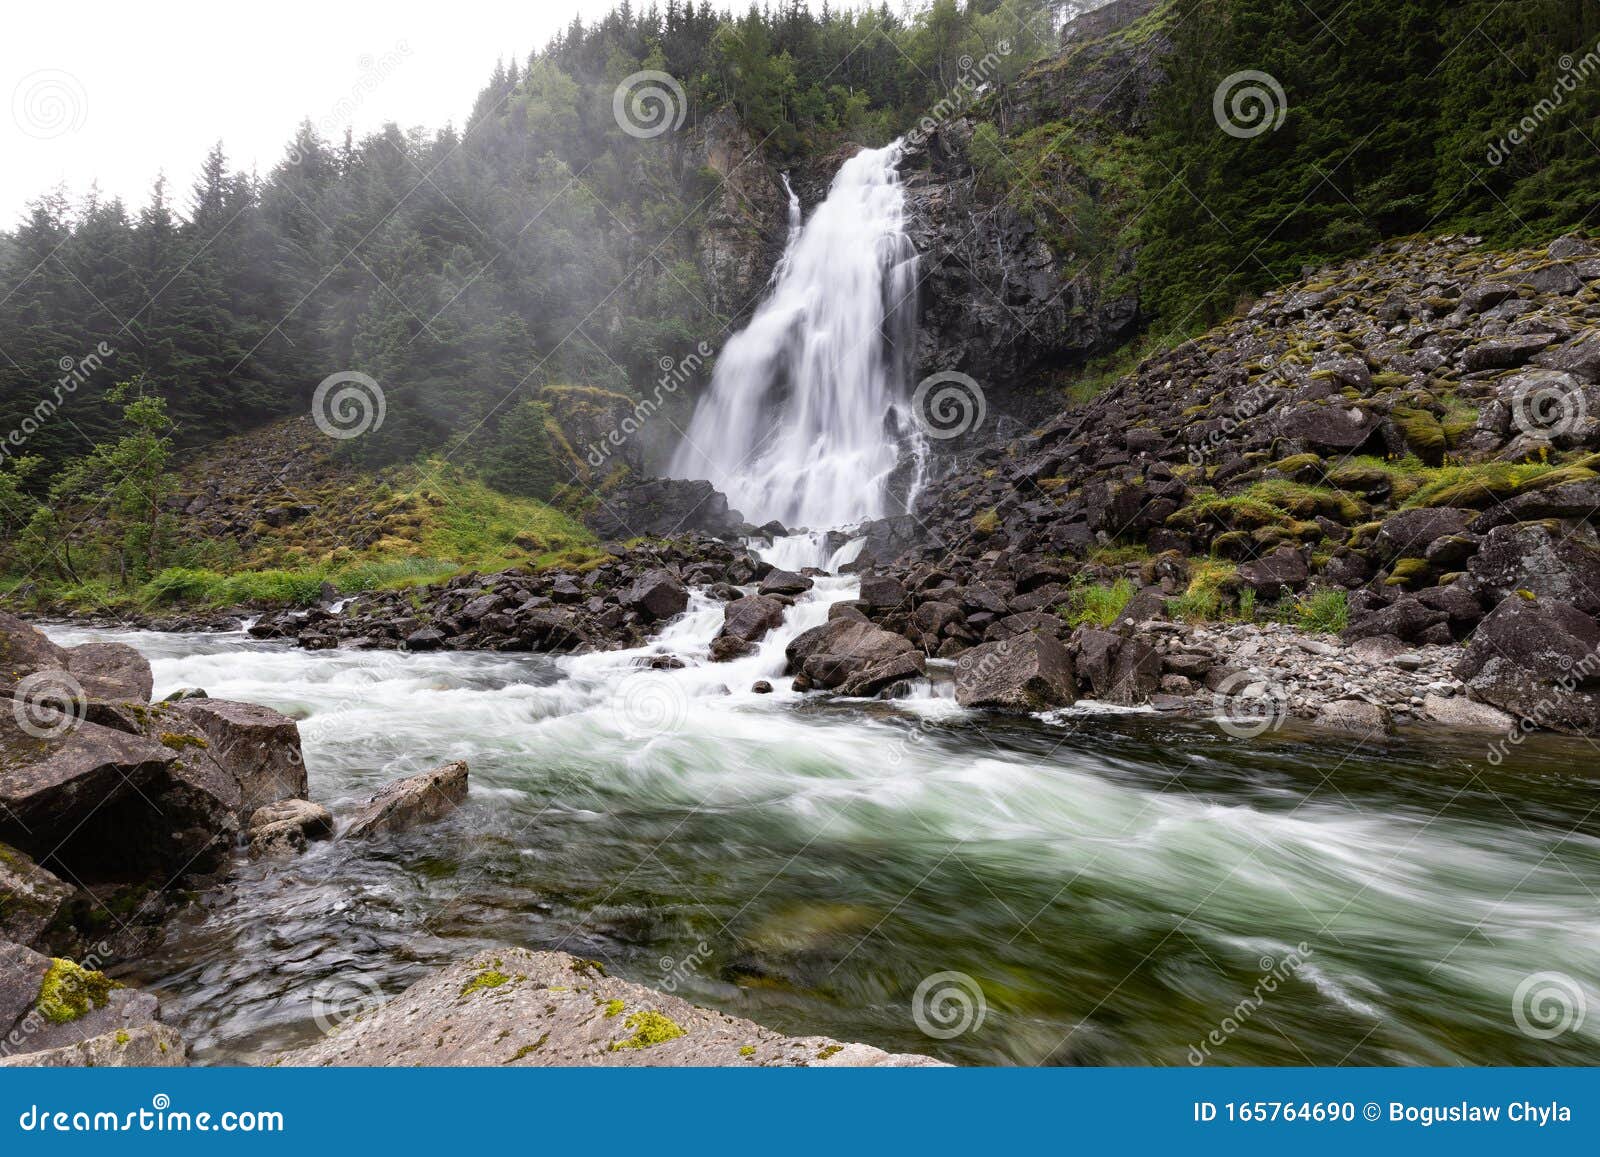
[(802, 420)]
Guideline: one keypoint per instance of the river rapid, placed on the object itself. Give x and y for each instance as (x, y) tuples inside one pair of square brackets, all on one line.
[(1093, 886)]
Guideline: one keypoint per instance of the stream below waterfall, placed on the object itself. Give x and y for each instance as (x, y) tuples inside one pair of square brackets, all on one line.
[(1117, 884)]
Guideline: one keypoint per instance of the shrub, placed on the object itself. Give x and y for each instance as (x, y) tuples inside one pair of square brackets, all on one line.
[(1096, 604)]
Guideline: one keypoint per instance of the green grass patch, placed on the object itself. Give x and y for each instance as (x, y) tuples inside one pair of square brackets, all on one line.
[(1096, 604)]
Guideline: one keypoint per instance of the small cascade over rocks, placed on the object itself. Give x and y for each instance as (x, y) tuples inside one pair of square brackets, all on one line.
[(804, 420)]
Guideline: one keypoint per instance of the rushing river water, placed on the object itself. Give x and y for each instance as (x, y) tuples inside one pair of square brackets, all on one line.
[(1117, 885)]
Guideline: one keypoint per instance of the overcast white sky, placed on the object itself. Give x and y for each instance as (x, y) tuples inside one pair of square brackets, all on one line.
[(116, 91)]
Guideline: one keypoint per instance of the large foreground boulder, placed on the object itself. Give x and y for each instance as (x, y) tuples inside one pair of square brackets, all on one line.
[(1534, 557), (259, 748), (113, 672), (546, 1009), (1027, 673), (1539, 660), (55, 1006), (406, 803), (853, 657)]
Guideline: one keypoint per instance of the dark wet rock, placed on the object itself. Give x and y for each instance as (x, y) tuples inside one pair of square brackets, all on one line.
[(747, 620), (783, 582), (1539, 660), (657, 595), (1283, 568), (410, 802), (1410, 533), (665, 506), (1507, 352), (1025, 673), (425, 639), (854, 657), (882, 592), (1330, 427)]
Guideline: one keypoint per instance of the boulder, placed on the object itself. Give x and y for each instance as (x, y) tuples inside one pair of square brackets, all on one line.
[(1539, 660), (111, 671), (1464, 714), (661, 507), (1530, 556), (1410, 533), (284, 828), (48, 1004), (785, 582), (1355, 715), (1284, 567), (259, 748), (517, 1007), (23, 652), (406, 803), (101, 789), (30, 897), (1330, 427), (657, 595), (1025, 673), (1408, 619), (852, 652), (749, 619), (880, 592), (1505, 353)]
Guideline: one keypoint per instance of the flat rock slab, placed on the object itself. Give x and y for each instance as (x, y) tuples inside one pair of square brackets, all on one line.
[(547, 1009), (145, 1046)]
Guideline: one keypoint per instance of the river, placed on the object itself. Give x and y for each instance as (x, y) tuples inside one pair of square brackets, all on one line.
[(1107, 887)]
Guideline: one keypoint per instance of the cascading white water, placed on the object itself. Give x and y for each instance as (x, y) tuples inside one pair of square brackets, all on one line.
[(799, 422)]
